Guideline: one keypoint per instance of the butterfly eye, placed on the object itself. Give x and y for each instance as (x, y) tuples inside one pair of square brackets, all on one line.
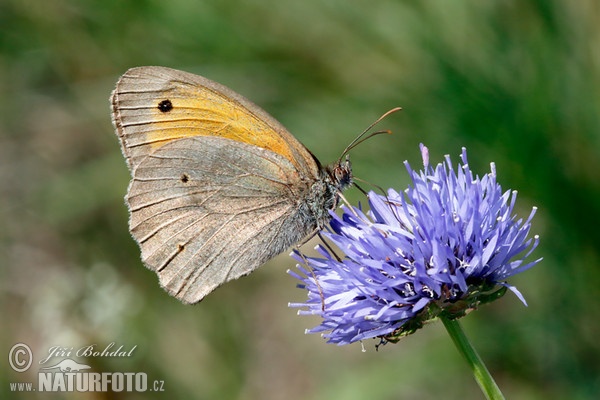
[(165, 106)]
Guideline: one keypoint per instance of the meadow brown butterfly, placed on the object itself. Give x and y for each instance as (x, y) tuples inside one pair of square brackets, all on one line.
[(218, 186)]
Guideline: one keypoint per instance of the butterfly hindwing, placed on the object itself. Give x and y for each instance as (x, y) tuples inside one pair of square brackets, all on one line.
[(205, 212)]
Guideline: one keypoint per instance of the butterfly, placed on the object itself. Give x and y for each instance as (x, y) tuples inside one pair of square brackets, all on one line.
[(218, 186)]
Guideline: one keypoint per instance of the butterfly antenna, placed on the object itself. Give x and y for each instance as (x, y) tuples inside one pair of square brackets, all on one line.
[(360, 138)]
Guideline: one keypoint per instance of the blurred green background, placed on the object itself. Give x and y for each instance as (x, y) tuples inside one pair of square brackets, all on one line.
[(516, 82)]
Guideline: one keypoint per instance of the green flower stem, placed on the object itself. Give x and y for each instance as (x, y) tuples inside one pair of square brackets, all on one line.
[(482, 375)]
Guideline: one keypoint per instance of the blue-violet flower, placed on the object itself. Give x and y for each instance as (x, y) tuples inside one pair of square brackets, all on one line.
[(446, 245)]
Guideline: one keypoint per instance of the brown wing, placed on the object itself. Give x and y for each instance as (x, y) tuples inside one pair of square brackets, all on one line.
[(207, 210), (153, 106)]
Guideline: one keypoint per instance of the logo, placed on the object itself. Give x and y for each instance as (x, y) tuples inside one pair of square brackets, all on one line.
[(20, 357), (69, 369), (69, 365)]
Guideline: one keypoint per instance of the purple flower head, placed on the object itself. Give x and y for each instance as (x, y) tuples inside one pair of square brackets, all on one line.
[(445, 245)]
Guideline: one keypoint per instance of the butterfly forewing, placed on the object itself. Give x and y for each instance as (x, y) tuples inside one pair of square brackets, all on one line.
[(155, 105)]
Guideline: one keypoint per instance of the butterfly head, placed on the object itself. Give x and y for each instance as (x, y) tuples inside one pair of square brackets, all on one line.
[(340, 174)]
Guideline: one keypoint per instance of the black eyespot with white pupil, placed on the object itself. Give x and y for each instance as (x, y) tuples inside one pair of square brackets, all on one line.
[(165, 106)]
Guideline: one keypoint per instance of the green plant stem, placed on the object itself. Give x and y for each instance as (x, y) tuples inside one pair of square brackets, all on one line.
[(482, 375)]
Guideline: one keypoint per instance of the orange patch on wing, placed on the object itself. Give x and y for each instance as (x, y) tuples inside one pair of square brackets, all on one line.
[(204, 112)]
